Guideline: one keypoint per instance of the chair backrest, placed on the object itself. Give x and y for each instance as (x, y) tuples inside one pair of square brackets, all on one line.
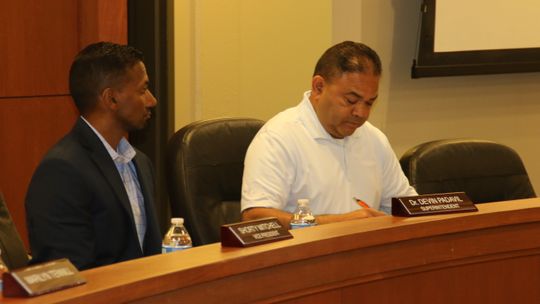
[(486, 171), (205, 163), (13, 252)]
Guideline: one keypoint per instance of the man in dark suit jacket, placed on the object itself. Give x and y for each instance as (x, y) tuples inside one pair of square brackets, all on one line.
[(91, 198)]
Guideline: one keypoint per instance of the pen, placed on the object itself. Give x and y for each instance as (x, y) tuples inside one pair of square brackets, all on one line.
[(361, 203)]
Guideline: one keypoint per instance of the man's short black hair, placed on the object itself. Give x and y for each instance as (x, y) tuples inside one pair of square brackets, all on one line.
[(348, 57), (96, 67)]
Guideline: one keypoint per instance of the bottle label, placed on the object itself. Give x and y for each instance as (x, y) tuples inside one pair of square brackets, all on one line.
[(301, 225), (167, 249)]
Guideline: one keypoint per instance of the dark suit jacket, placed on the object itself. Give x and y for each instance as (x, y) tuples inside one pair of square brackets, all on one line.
[(13, 252), (77, 206)]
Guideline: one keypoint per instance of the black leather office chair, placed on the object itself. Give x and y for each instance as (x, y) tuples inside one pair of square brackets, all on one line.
[(484, 170), (204, 175), (13, 252)]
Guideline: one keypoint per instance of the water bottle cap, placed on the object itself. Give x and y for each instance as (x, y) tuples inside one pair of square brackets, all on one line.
[(303, 201), (177, 221)]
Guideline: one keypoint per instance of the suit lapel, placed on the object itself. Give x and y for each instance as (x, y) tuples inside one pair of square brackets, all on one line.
[(106, 165), (108, 168)]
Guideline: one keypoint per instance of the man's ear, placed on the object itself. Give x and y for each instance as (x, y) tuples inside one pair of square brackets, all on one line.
[(317, 84), (107, 97)]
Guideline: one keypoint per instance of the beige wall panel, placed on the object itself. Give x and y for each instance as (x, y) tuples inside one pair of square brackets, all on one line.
[(248, 58)]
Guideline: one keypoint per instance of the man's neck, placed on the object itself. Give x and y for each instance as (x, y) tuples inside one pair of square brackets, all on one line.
[(110, 131)]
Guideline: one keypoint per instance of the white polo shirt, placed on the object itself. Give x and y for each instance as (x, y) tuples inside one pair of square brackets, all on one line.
[(293, 157)]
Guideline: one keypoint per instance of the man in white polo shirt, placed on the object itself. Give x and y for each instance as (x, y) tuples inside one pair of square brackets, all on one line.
[(324, 149)]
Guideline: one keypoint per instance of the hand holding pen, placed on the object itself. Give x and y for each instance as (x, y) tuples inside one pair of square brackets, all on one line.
[(367, 208), (361, 203)]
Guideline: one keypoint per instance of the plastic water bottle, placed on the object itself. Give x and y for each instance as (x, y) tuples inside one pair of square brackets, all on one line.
[(177, 238), (302, 216)]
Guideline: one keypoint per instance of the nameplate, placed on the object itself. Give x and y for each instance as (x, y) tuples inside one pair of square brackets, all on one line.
[(428, 204), (41, 278), (251, 233)]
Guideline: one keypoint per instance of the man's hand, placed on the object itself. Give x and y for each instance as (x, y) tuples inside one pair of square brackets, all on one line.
[(285, 217)]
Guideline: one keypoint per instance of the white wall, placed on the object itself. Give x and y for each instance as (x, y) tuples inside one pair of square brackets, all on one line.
[(503, 108)]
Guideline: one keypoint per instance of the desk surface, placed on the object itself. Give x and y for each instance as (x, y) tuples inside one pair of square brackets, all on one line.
[(340, 261)]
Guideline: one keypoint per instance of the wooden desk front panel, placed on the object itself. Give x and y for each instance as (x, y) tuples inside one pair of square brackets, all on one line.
[(508, 280), (443, 269), (491, 256)]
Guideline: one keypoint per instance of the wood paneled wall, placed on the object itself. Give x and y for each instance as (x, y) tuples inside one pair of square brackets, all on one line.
[(38, 41)]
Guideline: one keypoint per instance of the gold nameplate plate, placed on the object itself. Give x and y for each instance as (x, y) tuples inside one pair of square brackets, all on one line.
[(428, 204), (41, 278)]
